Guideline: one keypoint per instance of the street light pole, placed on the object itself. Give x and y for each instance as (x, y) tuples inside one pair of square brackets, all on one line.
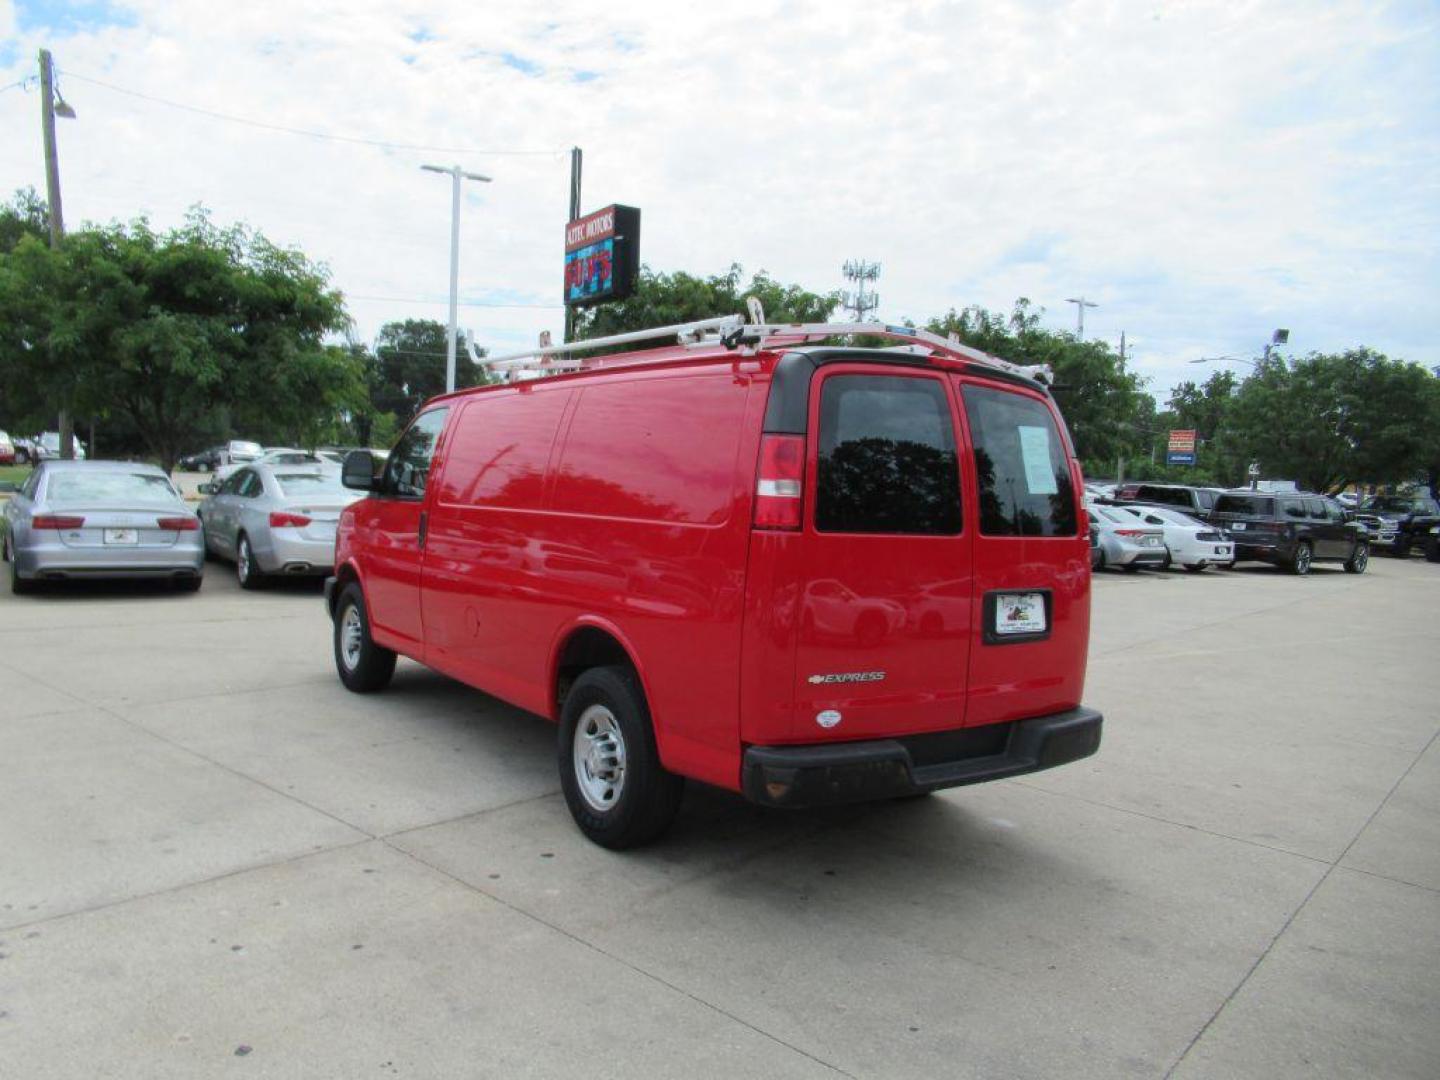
[(1080, 305), (48, 111), (456, 173)]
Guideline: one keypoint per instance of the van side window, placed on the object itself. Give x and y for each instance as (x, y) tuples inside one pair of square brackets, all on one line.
[(887, 457), (1024, 476), (408, 467)]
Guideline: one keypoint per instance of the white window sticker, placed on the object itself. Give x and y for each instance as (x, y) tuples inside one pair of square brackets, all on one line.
[(1020, 613), (1035, 449)]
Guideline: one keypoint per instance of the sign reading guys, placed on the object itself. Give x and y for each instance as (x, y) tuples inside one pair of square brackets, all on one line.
[(602, 256)]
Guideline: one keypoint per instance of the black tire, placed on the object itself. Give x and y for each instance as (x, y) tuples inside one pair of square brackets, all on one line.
[(644, 798), (1100, 563), (1359, 559), (18, 585), (247, 571), (1432, 549), (189, 584), (1195, 568), (364, 667), (1401, 550), (1304, 556)]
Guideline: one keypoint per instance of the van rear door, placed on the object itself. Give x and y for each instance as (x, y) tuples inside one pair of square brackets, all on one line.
[(1031, 556), (885, 590)]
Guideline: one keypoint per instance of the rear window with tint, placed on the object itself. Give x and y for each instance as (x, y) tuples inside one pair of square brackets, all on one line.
[(888, 462), (1025, 486), (1248, 505), (310, 484), (1166, 496), (109, 487)]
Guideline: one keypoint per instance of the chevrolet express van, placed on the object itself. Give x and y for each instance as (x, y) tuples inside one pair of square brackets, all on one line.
[(808, 574)]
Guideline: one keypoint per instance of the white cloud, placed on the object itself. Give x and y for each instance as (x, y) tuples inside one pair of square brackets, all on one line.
[(1205, 171)]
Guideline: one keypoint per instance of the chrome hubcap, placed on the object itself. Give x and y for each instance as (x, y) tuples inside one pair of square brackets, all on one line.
[(599, 758), (1361, 558), (350, 637), (1303, 559), (242, 561)]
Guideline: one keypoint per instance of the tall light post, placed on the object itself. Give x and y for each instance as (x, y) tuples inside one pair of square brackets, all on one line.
[(456, 174), (1080, 305), (51, 106)]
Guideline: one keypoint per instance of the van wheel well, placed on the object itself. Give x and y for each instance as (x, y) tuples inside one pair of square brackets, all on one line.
[(586, 648), (343, 576)]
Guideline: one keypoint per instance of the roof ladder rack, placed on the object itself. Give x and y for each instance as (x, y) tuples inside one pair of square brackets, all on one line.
[(733, 332)]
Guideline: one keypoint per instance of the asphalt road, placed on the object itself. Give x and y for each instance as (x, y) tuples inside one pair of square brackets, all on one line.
[(216, 862)]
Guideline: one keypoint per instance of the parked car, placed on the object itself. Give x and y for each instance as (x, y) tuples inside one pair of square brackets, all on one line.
[(274, 520), (45, 447), (1195, 501), (100, 519), (695, 501), (7, 449), (1127, 542), (1292, 531), (207, 460), (1189, 542), (1398, 523), (1097, 553), (240, 451), (280, 455)]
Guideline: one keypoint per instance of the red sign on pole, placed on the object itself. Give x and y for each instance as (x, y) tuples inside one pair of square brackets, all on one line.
[(1182, 442)]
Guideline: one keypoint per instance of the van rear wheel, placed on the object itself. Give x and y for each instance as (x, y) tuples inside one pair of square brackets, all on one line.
[(617, 790), (362, 665)]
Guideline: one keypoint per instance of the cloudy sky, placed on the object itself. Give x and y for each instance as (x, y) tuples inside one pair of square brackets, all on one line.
[(1205, 172)]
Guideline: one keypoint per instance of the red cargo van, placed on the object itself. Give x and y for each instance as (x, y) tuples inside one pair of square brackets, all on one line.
[(806, 573)]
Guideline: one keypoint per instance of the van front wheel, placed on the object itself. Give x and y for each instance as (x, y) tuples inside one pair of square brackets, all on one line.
[(617, 790), (362, 665)]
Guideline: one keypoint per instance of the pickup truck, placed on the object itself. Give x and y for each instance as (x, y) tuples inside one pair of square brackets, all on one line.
[(1398, 523)]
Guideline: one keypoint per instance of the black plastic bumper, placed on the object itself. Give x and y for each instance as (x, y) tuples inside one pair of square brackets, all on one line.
[(827, 774)]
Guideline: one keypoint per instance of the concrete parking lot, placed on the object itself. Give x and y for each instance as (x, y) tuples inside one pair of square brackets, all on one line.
[(214, 861)]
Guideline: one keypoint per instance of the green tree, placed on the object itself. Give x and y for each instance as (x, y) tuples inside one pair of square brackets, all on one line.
[(164, 330), (1104, 403), (410, 367), (1328, 420), (666, 299)]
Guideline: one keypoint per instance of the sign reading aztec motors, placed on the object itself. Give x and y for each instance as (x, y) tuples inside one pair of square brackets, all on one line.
[(1181, 450), (602, 255)]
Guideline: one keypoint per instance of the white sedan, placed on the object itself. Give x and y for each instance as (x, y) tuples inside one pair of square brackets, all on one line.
[(1190, 542)]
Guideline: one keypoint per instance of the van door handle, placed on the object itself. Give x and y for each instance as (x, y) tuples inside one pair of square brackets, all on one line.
[(424, 521)]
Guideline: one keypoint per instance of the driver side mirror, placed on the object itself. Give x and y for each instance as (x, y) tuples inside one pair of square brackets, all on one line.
[(358, 471)]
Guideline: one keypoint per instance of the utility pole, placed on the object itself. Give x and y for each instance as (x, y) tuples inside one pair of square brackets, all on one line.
[(455, 173), (48, 111), (859, 271), (576, 160), (1080, 305)]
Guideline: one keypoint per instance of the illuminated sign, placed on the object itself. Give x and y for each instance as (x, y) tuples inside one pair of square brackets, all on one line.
[(602, 255)]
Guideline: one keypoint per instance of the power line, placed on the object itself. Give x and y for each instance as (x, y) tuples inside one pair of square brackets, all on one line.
[(266, 126)]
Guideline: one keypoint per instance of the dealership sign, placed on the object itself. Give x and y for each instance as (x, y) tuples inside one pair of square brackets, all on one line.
[(602, 255), (1182, 448)]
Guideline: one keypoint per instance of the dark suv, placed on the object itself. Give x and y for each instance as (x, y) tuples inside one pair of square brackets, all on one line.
[(1291, 530), (1198, 502), (1398, 523)]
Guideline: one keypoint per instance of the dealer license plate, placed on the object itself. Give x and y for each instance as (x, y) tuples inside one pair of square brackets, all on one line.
[(1020, 613), (122, 536)]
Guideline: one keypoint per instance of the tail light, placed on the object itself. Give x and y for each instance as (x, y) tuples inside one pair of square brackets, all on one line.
[(279, 519), (56, 521), (779, 488), (178, 524), (1132, 533)]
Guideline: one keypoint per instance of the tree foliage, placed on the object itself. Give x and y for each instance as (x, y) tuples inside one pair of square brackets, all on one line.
[(665, 299), (410, 366), (161, 330)]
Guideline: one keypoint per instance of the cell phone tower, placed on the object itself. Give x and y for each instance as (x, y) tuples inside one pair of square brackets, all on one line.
[(860, 302)]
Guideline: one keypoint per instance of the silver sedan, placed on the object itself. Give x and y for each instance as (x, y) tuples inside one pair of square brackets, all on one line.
[(92, 519), (274, 520)]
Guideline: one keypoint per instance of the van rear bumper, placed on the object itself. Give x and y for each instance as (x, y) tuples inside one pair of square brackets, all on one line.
[(831, 773)]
